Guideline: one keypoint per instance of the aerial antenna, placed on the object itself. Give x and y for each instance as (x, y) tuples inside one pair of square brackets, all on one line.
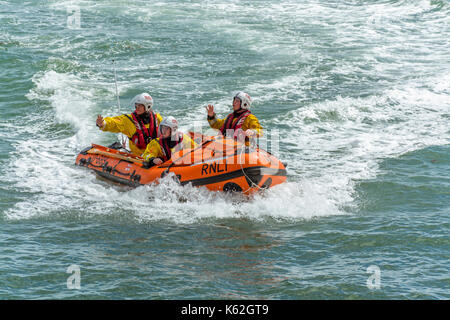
[(123, 140), (115, 81)]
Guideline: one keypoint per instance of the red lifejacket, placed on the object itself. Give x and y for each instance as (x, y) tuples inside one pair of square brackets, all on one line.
[(228, 124), (167, 144), (143, 134)]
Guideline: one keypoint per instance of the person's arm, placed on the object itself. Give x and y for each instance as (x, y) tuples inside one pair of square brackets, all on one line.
[(213, 121), (252, 123), (118, 124), (153, 152)]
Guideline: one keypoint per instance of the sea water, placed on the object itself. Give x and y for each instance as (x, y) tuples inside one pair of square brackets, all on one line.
[(357, 91)]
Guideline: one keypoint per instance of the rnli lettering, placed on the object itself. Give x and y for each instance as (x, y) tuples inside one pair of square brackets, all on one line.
[(214, 168)]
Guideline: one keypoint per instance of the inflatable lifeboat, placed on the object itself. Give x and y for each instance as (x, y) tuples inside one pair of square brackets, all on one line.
[(218, 163)]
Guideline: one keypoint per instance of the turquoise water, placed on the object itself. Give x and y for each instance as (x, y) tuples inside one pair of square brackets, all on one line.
[(358, 91)]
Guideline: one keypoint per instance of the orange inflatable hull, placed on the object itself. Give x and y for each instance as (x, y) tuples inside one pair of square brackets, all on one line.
[(219, 164)]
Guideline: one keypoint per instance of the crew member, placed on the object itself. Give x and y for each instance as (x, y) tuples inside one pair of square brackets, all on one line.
[(140, 127), (171, 140), (241, 122)]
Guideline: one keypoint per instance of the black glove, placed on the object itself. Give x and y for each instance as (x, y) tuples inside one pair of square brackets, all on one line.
[(148, 164)]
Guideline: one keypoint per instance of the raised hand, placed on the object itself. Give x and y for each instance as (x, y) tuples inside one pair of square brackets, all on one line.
[(100, 121), (210, 110)]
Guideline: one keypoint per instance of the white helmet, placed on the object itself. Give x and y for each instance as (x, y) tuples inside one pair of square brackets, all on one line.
[(246, 101), (143, 98), (170, 122)]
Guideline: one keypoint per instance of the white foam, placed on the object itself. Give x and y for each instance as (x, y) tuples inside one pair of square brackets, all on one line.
[(342, 141)]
